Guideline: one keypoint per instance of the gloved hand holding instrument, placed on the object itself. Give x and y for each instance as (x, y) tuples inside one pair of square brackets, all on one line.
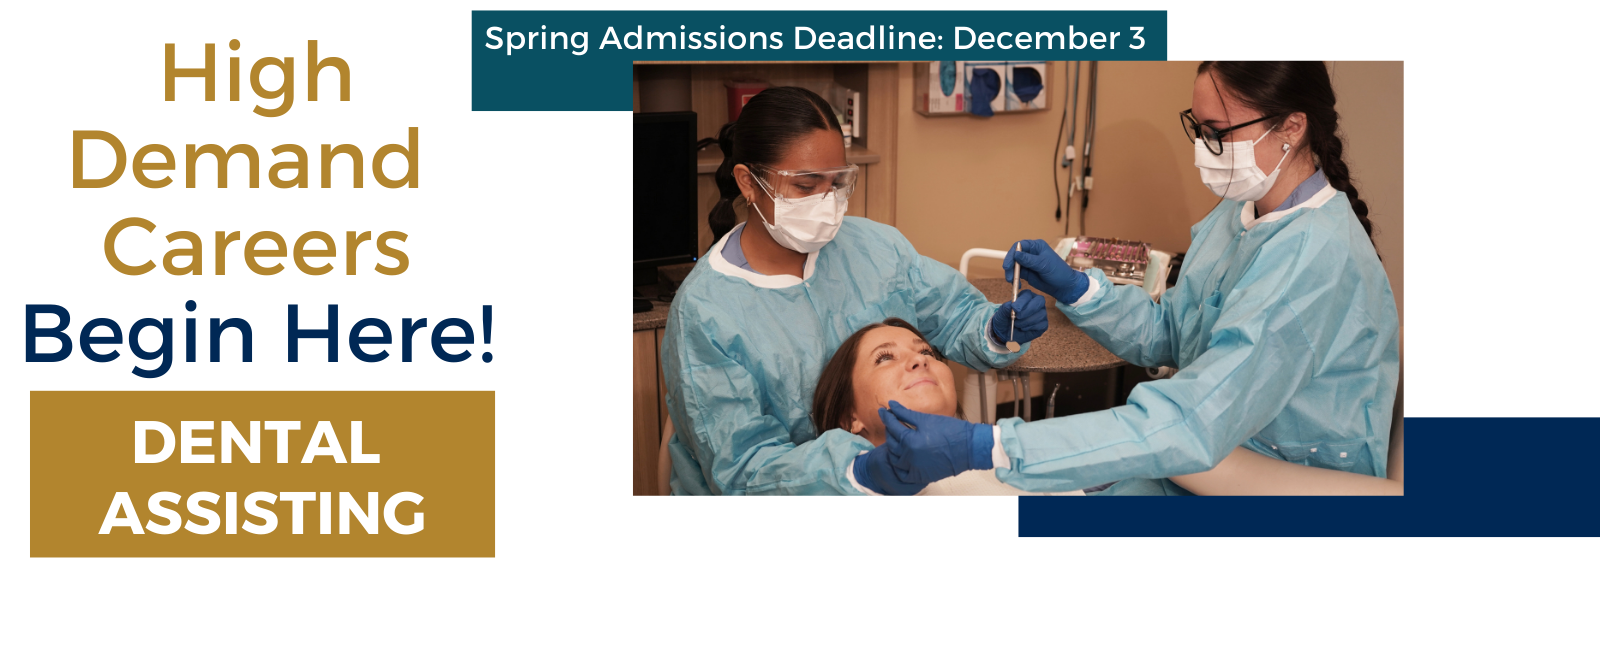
[(928, 447), (1026, 313), (1046, 270)]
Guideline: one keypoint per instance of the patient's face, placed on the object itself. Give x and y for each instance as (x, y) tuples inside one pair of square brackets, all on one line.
[(892, 363)]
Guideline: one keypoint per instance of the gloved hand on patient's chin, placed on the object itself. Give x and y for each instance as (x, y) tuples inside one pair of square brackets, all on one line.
[(938, 447), (873, 472), (1046, 270), (1032, 321)]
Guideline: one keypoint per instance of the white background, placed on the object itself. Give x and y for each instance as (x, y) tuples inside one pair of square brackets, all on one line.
[(528, 212)]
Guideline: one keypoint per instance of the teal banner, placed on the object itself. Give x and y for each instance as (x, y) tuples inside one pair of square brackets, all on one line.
[(581, 60)]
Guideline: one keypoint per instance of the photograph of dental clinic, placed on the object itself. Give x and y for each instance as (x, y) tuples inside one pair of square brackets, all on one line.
[(1018, 278)]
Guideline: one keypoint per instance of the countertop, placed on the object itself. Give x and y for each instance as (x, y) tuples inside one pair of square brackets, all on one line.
[(654, 318), (1063, 348)]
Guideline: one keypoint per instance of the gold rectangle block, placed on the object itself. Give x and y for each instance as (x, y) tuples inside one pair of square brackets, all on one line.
[(419, 481)]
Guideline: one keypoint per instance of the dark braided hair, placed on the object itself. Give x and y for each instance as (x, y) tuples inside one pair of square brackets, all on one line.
[(767, 125), (1283, 87)]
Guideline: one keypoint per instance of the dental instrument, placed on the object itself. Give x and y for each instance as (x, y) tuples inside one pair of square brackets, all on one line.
[(1016, 287)]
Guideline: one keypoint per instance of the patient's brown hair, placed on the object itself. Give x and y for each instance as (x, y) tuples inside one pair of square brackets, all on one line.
[(834, 399)]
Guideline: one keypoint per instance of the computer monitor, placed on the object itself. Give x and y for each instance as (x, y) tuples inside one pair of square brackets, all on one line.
[(665, 197)]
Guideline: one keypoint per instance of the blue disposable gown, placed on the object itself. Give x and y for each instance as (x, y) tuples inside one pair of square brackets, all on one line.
[(741, 360), (1285, 336)]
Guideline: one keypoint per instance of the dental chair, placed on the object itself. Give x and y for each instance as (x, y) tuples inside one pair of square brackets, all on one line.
[(1396, 449), (1396, 432)]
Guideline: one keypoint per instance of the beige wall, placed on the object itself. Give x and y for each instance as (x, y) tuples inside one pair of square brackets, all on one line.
[(967, 182), (1371, 111)]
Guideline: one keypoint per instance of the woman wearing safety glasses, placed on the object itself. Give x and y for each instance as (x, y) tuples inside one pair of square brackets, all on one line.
[(764, 309), (1282, 325)]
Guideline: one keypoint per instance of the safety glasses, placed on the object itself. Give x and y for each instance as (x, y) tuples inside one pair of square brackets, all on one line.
[(800, 184), (1211, 136)]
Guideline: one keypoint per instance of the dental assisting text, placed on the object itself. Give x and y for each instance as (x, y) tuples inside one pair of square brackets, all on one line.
[(202, 442)]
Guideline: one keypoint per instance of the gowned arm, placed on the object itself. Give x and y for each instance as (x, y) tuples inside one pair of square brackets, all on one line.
[(1249, 473), (715, 406), (1125, 320), (1182, 425)]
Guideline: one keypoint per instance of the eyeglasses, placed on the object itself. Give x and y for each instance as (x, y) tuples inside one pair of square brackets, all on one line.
[(1212, 136), (797, 185)]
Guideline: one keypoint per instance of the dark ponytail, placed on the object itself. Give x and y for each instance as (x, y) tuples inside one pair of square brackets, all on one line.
[(722, 216), (1283, 87), (767, 125)]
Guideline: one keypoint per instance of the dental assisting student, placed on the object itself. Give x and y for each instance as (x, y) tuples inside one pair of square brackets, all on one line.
[(764, 309), (1282, 325)]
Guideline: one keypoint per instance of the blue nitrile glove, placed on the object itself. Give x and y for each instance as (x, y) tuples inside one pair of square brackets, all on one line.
[(1047, 271), (873, 472), (982, 88), (938, 447), (1031, 319)]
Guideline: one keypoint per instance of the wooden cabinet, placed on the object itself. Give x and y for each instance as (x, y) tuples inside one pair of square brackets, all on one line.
[(649, 410)]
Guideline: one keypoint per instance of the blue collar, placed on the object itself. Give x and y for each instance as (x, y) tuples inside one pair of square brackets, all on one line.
[(1308, 188), (733, 252)]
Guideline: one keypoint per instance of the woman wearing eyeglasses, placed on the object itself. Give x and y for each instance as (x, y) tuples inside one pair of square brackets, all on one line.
[(1282, 325), (752, 325)]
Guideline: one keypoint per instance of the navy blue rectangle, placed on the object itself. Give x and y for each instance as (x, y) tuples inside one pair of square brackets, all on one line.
[(1465, 477), (600, 79)]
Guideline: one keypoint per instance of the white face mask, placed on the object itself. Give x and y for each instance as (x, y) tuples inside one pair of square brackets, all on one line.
[(1234, 174), (805, 224)]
